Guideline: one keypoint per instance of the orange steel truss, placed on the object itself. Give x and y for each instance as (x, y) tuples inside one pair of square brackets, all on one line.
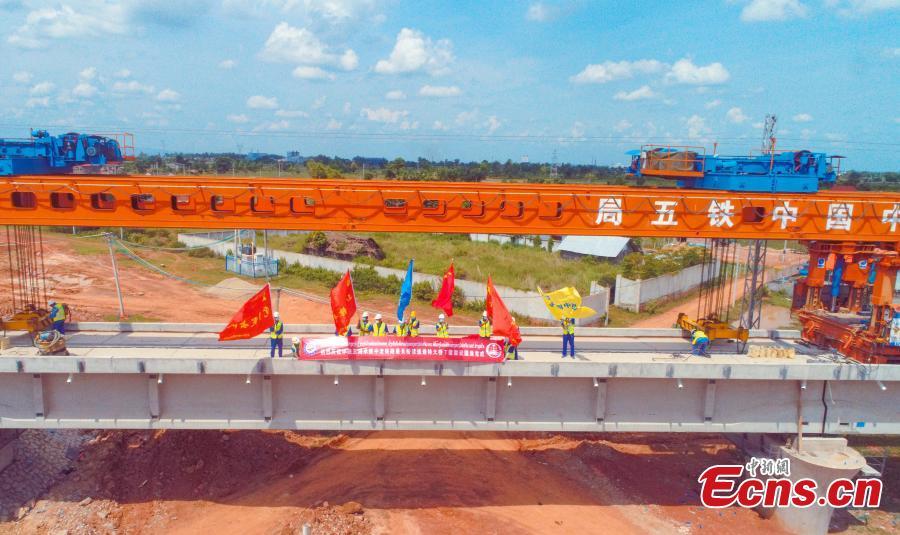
[(459, 207)]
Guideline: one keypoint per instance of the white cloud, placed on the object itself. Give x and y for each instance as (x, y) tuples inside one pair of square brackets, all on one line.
[(37, 102), (65, 22), (84, 90), (685, 72), (383, 115), (465, 117), (22, 77), (622, 126), (43, 88), (608, 71), (347, 107), (259, 102), (299, 45), (319, 102), (891, 52), (124, 73), (414, 51), (802, 118), (409, 125), (289, 114), (736, 115), (227, 64), (766, 10), (333, 124), (696, 126), (272, 126), (238, 118), (439, 125), (492, 124), (713, 104), (439, 91), (332, 11), (88, 74), (395, 94), (538, 12), (578, 130), (861, 8), (168, 95), (307, 72), (132, 87), (642, 93)]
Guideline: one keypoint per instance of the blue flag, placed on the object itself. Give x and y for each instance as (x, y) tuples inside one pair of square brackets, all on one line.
[(405, 291)]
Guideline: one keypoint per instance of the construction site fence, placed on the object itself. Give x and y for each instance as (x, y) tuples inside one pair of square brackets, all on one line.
[(631, 294), (251, 267)]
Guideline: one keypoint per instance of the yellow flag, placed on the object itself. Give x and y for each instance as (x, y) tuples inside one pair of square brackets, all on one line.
[(566, 302)]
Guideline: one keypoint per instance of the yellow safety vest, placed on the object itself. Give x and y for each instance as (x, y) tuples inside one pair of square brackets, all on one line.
[(402, 329), (414, 327), (380, 329), (484, 328), (443, 330), (568, 326), (58, 313), (278, 333), (363, 327), (699, 336)]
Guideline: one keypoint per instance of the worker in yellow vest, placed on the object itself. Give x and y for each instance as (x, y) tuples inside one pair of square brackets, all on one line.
[(276, 336), (568, 335), (413, 325), (58, 316), (402, 328), (485, 329), (441, 327), (379, 328), (699, 342), (363, 326)]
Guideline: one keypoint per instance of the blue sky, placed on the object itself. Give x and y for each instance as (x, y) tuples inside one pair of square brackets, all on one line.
[(465, 79)]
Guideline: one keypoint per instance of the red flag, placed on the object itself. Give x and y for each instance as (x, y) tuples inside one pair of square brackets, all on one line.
[(444, 299), (254, 317), (501, 320), (343, 303)]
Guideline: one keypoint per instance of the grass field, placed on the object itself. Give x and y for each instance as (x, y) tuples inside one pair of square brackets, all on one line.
[(520, 267)]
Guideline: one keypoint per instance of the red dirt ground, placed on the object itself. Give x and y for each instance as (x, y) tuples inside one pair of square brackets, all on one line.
[(273, 482)]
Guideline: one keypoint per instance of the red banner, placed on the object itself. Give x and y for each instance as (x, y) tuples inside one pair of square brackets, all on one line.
[(467, 349), (343, 303), (252, 319)]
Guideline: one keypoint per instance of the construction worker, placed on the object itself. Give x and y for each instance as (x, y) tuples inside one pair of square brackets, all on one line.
[(568, 335), (699, 342), (379, 328), (441, 327), (295, 347), (364, 327), (485, 329), (402, 328), (512, 350), (58, 316), (276, 336), (413, 325)]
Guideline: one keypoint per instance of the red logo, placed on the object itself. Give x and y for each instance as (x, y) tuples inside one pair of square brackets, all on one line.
[(493, 350)]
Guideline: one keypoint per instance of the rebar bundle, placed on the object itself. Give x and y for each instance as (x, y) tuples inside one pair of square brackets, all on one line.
[(27, 281)]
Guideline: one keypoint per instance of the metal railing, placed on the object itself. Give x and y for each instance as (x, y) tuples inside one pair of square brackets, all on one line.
[(252, 267)]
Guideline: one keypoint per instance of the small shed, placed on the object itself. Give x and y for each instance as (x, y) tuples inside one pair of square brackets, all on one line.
[(612, 248)]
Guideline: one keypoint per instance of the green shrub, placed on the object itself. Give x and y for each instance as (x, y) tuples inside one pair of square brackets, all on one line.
[(424, 291)]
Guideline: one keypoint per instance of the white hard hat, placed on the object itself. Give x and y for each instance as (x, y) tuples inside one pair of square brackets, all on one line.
[(276, 314), (295, 340), (377, 316), (365, 314), (484, 314), (440, 316)]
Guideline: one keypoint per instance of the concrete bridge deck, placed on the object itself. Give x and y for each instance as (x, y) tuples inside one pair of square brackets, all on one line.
[(187, 380)]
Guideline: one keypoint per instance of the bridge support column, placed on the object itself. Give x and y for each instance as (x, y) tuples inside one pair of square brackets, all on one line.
[(824, 460)]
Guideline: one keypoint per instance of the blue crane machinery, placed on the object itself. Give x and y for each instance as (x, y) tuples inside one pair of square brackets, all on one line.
[(72, 152)]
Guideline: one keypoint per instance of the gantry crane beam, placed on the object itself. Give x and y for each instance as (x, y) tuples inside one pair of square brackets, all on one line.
[(454, 207)]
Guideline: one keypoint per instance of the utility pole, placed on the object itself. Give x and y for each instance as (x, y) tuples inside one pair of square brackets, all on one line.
[(115, 267)]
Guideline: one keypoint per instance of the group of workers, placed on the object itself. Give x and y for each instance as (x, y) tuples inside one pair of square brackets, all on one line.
[(410, 327)]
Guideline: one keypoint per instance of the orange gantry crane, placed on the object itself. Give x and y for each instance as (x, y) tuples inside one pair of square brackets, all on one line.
[(865, 220)]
